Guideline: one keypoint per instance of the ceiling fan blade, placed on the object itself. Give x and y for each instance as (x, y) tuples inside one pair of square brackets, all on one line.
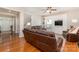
[(50, 9)]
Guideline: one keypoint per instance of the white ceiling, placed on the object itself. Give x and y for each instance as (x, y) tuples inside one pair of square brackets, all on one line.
[(40, 10)]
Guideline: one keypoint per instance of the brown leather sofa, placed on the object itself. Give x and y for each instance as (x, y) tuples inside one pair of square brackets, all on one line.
[(43, 40), (72, 37), (38, 28)]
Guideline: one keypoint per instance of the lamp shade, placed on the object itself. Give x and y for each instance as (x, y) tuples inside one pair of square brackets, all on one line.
[(28, 23)]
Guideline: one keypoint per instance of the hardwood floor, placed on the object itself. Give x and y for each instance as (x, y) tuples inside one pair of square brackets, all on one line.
[(71, 47), (16, 44)]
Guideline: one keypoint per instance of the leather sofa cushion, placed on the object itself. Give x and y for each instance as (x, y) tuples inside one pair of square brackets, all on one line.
[(42, 32), (31, 30), (46, 33)]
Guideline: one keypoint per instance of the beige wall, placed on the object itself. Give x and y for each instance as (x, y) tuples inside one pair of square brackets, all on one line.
[(67, 18), (71, 16), (58, 29), (36, 20)]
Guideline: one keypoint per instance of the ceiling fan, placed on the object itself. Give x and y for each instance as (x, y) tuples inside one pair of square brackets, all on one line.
[(49, 10)]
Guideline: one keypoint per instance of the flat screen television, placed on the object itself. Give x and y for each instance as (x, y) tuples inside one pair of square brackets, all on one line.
[(58, 23)]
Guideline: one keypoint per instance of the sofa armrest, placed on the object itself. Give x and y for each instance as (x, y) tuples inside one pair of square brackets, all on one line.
[(60, 44)]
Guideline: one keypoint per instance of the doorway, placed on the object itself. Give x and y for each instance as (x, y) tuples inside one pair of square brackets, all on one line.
[(7, 28)]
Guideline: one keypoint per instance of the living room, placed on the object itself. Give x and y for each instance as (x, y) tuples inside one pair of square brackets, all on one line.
[(39, 29), (63, 21), (58, 21)]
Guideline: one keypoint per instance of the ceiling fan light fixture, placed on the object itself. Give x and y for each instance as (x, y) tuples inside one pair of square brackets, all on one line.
[(48, 11)]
